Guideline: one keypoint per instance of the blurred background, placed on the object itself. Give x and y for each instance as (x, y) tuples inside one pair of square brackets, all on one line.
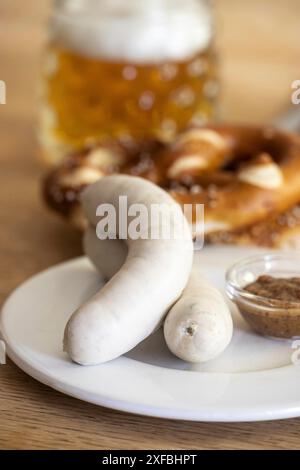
[(257, 40), (259, 49)]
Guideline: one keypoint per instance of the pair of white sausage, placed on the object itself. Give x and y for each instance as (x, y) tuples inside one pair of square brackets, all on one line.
[(135, 301), (147, 277), (198, 327)]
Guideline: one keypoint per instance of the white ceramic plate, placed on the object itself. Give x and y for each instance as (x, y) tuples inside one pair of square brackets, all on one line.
[(253, 380)]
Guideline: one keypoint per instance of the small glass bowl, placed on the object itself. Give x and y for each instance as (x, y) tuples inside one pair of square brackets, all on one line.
[(268, 317)]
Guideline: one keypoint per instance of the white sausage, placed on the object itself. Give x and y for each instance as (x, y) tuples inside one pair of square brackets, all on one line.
[(131, 305), (198, 327)]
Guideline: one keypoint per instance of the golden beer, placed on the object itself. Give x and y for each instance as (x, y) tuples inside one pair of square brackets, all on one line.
[(132, 76)]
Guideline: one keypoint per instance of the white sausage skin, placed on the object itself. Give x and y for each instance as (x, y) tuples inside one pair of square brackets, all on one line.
[(108, 256), (198, 327), (131, 305)]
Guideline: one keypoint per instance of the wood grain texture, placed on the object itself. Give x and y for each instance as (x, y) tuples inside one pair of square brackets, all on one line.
[(261, 56)]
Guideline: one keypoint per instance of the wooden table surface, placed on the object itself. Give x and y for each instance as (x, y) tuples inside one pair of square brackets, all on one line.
[(259, 43)]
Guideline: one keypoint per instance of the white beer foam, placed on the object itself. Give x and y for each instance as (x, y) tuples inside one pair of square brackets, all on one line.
[(137, 31)]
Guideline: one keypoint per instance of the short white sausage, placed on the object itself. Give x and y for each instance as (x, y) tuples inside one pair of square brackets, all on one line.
[(199, 326)]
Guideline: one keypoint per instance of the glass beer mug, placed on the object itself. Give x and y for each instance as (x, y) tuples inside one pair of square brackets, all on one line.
[(130, 70)]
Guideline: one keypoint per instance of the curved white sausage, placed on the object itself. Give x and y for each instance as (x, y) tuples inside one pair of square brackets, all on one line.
[(198, 327), (131, 305)]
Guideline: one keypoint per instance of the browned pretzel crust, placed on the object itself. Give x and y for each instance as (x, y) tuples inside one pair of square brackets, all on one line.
[(248, 178)]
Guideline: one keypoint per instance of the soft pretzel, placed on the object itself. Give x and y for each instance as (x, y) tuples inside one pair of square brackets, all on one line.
[(248, 178)]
